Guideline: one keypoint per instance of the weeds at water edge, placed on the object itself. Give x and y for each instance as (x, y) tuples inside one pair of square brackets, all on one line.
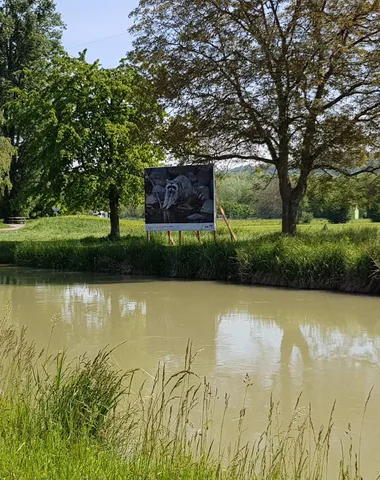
[(87, 420)]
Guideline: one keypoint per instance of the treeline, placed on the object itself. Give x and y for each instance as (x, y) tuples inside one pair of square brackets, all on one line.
[(338, 199)]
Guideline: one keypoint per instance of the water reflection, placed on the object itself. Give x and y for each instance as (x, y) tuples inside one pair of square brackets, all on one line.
[(325, 345)]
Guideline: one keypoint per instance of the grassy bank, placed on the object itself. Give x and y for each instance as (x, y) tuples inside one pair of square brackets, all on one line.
[(344, 258), (88, 420)]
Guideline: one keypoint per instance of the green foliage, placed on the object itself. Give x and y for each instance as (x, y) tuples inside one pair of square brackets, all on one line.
[(368, 195), (238, 210), (336, 213), (236, 188), (305, 217), (305, 214), (89, 133), (30, 33), (332, 197), (374, 214), (6, 153), (267, 197)]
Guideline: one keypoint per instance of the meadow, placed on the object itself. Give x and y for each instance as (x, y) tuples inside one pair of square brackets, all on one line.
[(343, 257)]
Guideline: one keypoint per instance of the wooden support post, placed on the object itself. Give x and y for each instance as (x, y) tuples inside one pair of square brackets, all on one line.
[(180, 237), (148, 236), (233, 236), (171, 241), (214, 235)]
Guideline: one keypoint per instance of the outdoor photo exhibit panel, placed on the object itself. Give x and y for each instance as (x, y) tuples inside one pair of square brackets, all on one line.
[(180, 198)]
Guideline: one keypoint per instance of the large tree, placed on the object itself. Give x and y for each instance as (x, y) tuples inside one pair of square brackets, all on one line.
[(30, 32), (293, 84), (88, 133), (6, 153)]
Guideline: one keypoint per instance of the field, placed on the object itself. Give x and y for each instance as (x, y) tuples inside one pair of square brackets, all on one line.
[(343, 257), (82, 227)]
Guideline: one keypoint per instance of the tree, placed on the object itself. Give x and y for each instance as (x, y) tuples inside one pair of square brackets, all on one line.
[(235, 187), (293, 84), (30, 32), (88, 133), (267, 198), (6, 152)]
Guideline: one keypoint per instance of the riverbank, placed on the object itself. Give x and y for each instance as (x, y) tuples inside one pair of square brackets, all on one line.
[(87, 419), (342, 259)]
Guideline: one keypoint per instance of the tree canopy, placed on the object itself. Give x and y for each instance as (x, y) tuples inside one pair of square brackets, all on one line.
[(88, 132), (294, 84), (6, 152), (30, 33)]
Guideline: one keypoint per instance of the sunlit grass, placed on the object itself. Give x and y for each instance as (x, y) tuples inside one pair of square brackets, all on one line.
[(80, 227)]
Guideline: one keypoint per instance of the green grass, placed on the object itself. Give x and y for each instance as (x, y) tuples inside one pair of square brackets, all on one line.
[(345, 257), (87, 420)]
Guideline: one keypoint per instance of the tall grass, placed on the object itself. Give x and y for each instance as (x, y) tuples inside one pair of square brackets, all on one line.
[(86, 419), (345, 259)]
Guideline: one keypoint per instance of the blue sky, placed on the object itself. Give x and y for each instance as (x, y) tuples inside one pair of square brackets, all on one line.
[(94, 21)]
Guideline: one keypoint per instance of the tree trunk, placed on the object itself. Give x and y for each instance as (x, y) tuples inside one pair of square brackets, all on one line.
[(291, 199), (289, 216), (114, 213)]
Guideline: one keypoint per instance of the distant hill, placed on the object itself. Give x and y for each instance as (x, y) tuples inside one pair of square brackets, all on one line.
[(244, 169)]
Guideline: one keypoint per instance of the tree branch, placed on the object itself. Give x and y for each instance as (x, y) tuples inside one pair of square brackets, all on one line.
[(231, 156), (368, 169)]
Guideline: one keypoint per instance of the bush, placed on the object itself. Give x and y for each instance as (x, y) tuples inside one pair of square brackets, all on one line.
[(305, 217), (238, 210), (374, 214), (337, 213)]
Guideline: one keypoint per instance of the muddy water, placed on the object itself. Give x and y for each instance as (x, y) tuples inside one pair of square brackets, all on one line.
[(322, 344)]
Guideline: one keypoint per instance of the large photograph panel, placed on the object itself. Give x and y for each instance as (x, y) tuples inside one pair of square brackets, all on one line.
[(180, 198)]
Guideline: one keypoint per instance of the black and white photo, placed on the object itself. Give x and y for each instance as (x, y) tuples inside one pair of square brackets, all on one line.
[(180, 198)]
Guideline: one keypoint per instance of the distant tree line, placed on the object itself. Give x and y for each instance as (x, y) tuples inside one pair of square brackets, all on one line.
[(255, 194)]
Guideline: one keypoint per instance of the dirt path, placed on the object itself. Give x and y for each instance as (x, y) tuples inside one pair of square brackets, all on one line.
[(12, 227)]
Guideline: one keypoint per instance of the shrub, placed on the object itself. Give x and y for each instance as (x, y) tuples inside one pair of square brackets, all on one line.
[(238, 210), (305, 218), (337, 213), (374, 214)]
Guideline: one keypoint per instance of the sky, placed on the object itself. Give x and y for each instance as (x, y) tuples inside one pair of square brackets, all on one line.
[(91, 23)]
